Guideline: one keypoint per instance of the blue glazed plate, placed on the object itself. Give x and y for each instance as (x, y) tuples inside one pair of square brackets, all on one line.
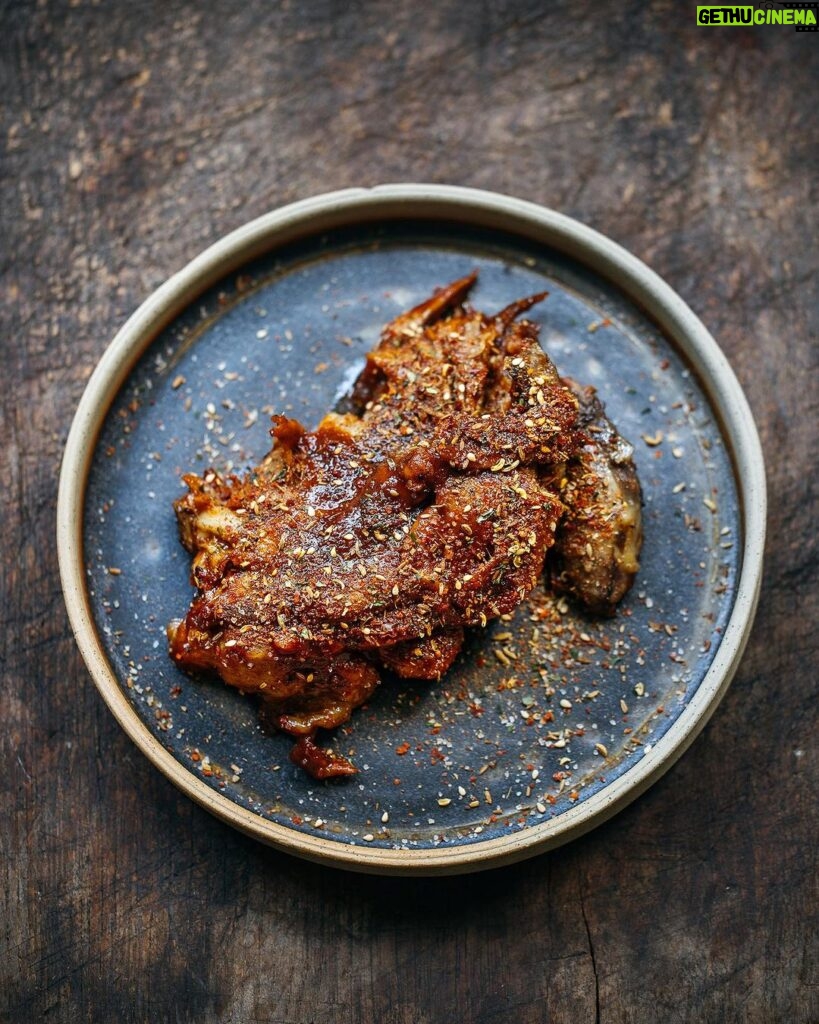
[(549, 720)]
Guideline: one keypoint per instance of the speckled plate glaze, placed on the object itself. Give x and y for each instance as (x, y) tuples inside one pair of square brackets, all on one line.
[(549, 721)]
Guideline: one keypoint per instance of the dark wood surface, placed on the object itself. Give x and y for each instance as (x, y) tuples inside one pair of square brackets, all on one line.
[(134, 134)]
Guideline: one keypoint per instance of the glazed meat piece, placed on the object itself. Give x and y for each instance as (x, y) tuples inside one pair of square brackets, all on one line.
[(596, 552), (374, 541)]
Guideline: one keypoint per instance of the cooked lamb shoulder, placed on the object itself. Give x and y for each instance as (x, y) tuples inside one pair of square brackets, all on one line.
[(375, 540)]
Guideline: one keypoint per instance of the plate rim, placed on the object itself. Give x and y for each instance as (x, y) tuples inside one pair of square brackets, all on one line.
[(472, 207)]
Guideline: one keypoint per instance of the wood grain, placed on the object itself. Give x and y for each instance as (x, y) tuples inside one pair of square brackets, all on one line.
[(135, 134)]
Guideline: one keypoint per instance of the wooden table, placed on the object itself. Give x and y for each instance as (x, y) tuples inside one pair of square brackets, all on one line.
[(134, 135)]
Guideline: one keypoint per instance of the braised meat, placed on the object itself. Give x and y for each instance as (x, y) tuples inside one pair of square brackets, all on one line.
[(374, 541)]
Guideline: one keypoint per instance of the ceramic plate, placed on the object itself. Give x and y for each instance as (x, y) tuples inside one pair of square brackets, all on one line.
[(550, 720)]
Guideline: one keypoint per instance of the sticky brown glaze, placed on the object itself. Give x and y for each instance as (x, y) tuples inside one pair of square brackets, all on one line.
[(320, 763), (596, 553), (374, 540)]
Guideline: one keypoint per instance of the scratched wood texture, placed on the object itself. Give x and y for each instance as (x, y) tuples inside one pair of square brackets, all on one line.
[(134, 134)]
